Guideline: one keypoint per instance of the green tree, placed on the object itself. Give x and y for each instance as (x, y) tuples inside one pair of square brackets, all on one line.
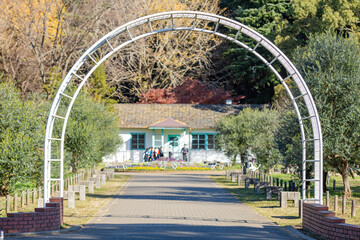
[(233, 138), (251, 128), (98, 85), (265, 16), (253, 78), (21, 139), (288, 139), (288, 24), (330, 65), (91, 133), (317, 16)]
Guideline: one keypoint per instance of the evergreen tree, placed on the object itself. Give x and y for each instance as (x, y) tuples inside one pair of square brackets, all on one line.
[(288, 24), (252, 77), (330, 66)]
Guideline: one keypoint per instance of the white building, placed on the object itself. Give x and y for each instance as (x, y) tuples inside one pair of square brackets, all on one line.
[(170, 126)]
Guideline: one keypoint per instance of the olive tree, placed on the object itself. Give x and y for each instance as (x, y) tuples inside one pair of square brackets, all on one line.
[(92, 133), (330, 65), (251, 127), (22, 127)]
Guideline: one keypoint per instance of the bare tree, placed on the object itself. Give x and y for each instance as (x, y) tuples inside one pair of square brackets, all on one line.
[(41, 39), (163, 60)]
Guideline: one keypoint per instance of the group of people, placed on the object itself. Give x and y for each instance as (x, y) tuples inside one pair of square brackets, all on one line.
[(151, 154)]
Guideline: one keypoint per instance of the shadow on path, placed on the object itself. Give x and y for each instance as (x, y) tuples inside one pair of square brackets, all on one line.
[(169, 231)]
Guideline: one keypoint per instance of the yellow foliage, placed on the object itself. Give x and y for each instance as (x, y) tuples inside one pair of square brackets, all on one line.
[(208, 6), (156, 6), (280, 91), (43, 17), (339, 15)]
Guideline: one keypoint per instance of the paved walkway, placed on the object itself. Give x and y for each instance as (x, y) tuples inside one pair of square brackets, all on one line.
[(176, 206)]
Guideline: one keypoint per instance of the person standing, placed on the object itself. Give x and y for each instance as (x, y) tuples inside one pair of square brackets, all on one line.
[(146, 155), (155, 154), (150, 154), (161, 153), (184, 152)]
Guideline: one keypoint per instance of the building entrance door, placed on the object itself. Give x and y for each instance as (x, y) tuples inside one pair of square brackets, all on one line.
[(174, 145)]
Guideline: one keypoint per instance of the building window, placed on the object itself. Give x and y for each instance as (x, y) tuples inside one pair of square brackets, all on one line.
[(137, 141), (211, 141), (203, 141)]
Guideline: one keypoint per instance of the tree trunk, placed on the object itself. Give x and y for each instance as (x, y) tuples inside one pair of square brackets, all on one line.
[(325, 175), (345, 177), (234, 160), (75, 164), (4, 189)]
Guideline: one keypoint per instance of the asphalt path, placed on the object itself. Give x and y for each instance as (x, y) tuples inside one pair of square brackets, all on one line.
[(175, 206)]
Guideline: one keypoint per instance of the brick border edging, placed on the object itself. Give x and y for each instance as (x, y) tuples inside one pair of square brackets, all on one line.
[(319, 220), (43, 219), (73, 229)]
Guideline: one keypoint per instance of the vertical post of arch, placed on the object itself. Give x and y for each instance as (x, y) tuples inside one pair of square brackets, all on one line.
[(111, 42)]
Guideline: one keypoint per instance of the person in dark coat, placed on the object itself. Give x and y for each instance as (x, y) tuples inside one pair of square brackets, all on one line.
[(161, 153), (184, 152), (146, 155)]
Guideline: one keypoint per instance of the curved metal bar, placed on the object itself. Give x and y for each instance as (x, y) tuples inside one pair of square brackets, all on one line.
[(279, 56)]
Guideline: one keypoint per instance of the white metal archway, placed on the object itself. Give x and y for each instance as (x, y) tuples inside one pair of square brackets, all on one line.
[(198, 22)]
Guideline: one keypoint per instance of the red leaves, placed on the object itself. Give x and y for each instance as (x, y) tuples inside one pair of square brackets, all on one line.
[(191, 91)]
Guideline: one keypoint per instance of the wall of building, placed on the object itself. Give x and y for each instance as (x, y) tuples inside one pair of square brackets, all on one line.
[(199, 156), (208, 156), (43, 219), (319, 220), (125, 153)]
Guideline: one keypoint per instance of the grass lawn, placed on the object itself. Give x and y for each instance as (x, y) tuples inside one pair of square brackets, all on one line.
[(27, 208), (286, 177), (86, 210), (339, 189), (268, 208), (289, 216)]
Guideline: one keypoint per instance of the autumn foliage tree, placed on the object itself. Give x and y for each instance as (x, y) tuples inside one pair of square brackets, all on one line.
[(164, 60), (41, 39), (191, 91)]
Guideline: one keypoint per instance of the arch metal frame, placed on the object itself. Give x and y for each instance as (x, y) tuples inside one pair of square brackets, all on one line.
[(74, 76)]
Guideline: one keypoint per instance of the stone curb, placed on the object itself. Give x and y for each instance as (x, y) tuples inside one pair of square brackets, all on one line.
[(69, 230), (296, 233)]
